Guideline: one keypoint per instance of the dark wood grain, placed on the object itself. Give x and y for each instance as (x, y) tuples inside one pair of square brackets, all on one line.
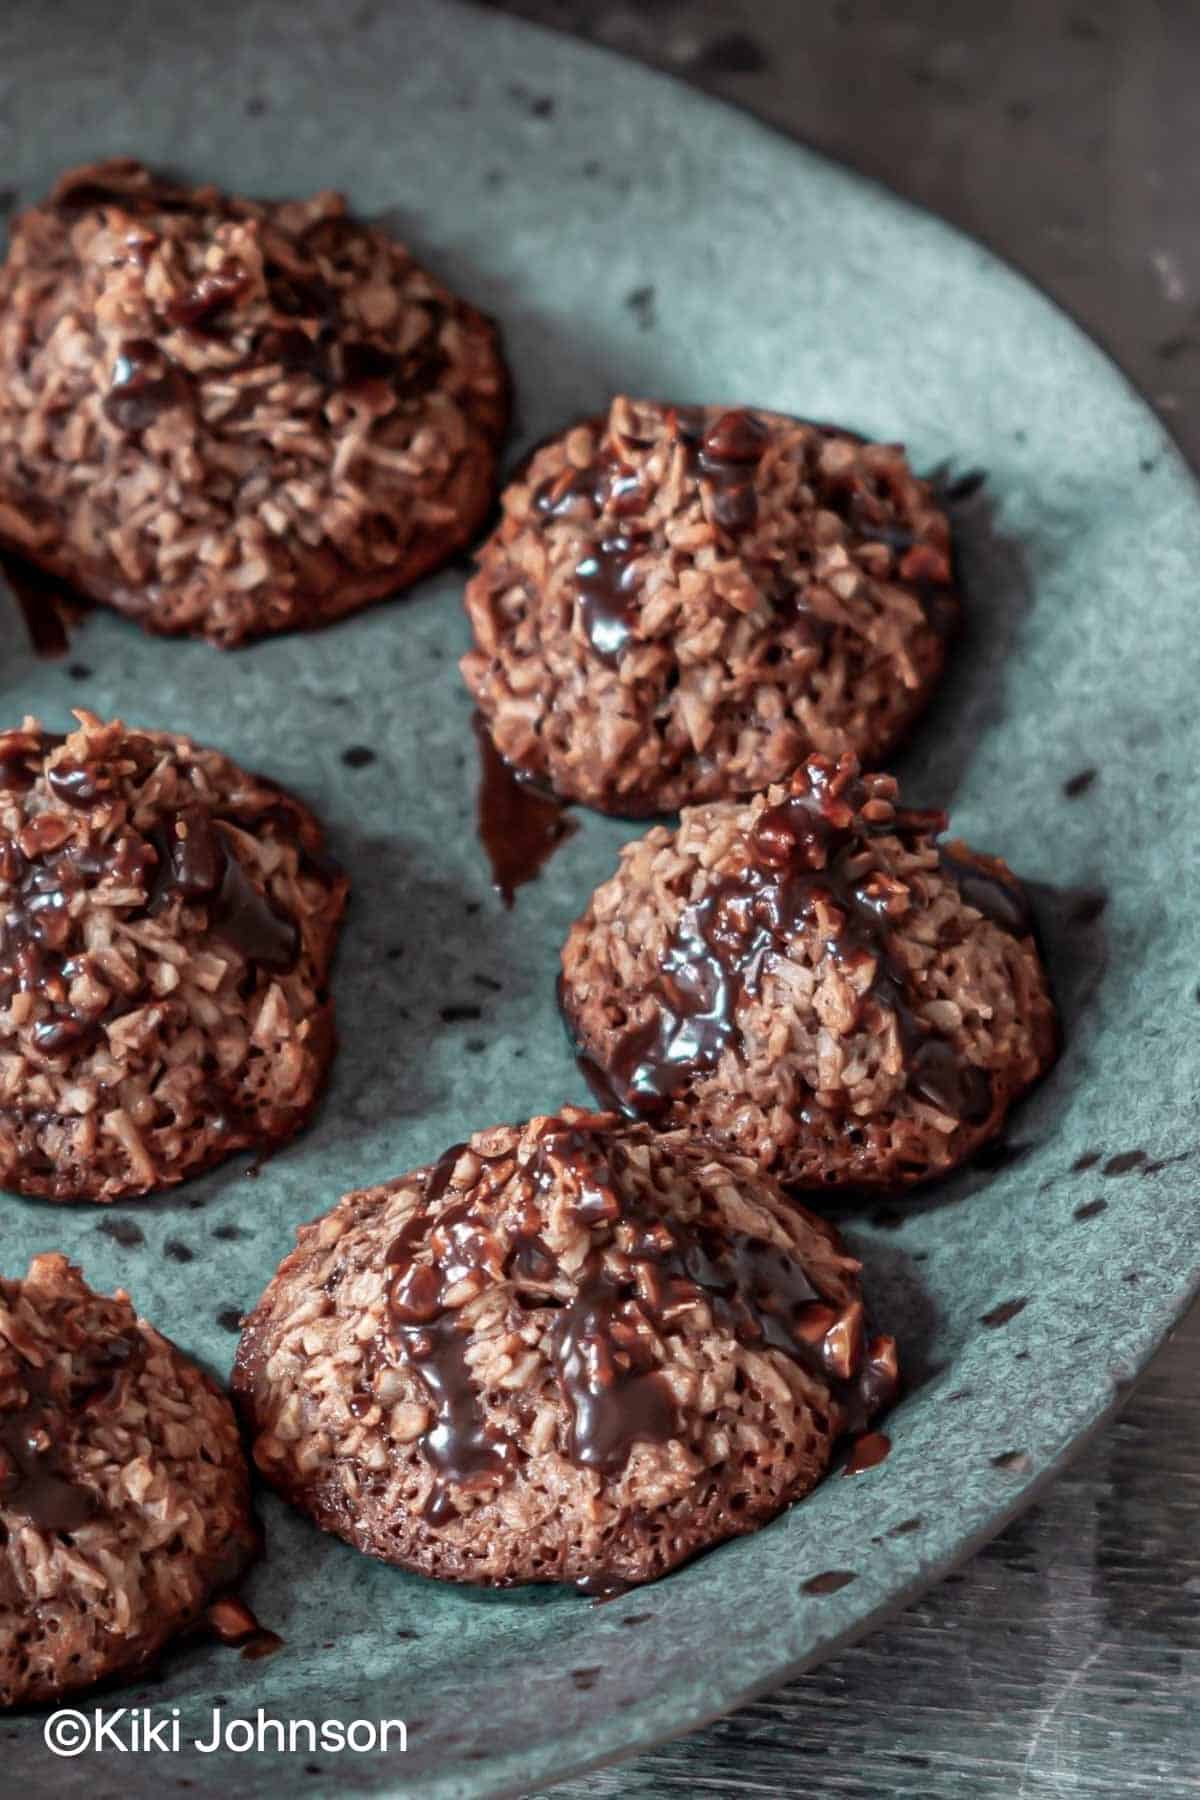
[(1065, 1660)]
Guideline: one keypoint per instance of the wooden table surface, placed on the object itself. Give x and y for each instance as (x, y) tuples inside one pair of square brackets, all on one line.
[(1065, 1660)]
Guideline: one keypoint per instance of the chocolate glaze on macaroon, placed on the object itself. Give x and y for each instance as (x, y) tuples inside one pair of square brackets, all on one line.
[(815, 980), (576, 1350), (124, 1494), (229, 418), (680, 603), (166, 927)]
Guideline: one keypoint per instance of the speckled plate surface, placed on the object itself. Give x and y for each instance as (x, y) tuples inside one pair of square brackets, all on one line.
[(630, 234)]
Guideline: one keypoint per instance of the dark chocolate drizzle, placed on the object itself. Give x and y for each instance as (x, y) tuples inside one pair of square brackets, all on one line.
[(723, 457), (80, 784), (188, 855), (643, 1271), (520, 825), (32, 1483), (315, 345), (726, 458), (464, 1451), (804, 850), (210, 295), (606, 582), (196, 862), (605, 579), (146, 379), (145, 382), (42, 868)]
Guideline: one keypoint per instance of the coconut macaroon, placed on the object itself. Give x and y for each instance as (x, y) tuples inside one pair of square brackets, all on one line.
[(815, 981), (229, 418), (574, 1350), (682, 602), (166, 928), (124, 1493)]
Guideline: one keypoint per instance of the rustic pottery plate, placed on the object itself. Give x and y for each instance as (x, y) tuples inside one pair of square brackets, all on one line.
[(632, 235)]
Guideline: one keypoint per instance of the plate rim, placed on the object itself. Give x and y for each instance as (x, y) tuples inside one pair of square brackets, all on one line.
[(673, 1716)]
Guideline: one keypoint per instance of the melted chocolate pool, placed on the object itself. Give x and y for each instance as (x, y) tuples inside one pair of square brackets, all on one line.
[(867, 1452), (48, 611), (606, 585), (520, 826)]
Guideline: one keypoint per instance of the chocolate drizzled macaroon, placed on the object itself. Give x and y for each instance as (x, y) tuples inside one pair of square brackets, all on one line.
[(124, 1494), (166, 927), (574, 1350), (813, 980), (682, 602), (226, 418)]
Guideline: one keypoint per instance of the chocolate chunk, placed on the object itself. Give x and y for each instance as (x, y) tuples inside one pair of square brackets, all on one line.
[(940, 1076), (214, 292), (731, 448), (145, 382), (201, 867), (79, 784)]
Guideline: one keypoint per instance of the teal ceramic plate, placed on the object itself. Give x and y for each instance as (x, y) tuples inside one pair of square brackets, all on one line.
[(630, 234)]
